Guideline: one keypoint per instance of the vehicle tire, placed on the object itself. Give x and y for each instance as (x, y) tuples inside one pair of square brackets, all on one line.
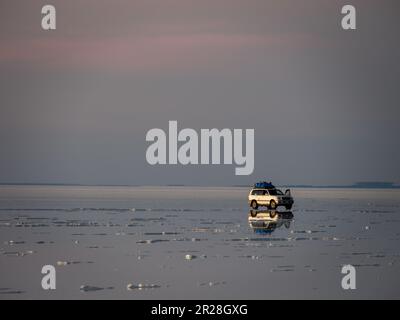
[(254, 204), (272, 205), (289, 207), (253, 213), (272, 214)]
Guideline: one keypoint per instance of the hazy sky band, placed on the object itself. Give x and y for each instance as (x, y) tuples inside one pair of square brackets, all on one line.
[(76, 103)]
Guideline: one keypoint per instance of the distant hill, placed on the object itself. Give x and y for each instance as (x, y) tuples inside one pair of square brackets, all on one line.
[(375, 185), (356, 185)]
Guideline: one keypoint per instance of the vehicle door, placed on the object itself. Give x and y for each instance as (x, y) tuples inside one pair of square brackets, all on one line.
[(257, 195), (264, 197)]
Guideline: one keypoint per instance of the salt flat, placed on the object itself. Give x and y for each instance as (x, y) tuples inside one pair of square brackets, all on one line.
[(195, 242)]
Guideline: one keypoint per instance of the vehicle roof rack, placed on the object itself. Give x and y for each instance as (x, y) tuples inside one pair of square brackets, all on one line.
[(264, 185)]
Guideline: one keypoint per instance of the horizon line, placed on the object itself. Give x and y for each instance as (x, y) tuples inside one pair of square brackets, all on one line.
[(356, 185)]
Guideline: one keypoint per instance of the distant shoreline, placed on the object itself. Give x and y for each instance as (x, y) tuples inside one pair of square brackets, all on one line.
[(353, 186)]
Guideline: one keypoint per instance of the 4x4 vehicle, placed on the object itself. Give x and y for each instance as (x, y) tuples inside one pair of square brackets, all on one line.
[(265, 194)]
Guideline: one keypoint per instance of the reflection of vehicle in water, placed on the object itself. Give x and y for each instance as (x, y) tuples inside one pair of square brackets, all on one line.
[(263, 223), (265, 194)]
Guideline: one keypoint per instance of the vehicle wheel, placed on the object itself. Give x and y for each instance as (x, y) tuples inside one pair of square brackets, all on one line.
[(272, 205), (288, 207), (253, 213), (272, 214), (254, 204)]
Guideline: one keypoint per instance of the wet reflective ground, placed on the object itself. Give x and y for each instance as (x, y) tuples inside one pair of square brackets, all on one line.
[(182, 243)]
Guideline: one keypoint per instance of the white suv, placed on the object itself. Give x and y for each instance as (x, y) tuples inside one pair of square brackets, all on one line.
[(270, 197)]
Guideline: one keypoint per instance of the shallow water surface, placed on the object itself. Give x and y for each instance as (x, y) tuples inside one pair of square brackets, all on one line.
[(194, 242)]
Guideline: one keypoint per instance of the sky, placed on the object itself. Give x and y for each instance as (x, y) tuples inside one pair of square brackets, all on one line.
[(76, 102)]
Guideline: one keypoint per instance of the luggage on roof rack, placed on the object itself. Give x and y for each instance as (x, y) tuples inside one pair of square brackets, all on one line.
[(264, 185)]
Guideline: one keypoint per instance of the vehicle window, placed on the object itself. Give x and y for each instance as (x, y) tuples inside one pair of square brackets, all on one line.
[(257, 192), (273, 192), (279, 192)]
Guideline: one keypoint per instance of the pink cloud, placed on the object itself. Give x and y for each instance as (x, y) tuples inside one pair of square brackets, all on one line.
[(146, 53)]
